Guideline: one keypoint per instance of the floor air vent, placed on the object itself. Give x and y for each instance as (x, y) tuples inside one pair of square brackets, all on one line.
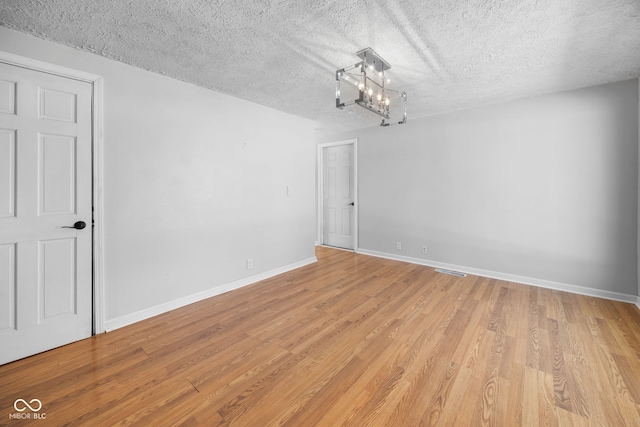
[(451, 272)]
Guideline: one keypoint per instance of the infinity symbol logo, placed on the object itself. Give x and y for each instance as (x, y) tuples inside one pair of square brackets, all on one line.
[(26, 405)]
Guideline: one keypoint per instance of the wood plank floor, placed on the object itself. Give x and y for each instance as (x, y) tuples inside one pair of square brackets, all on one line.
[(351, 340)]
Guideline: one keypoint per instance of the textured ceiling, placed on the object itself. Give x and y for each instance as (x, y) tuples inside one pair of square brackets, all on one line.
[(446, 54)]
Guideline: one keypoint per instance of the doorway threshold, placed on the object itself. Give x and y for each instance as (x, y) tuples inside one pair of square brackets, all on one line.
[(337, 247)]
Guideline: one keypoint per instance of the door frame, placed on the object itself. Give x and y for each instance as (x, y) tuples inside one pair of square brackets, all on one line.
[(97, 139), (320, 191)]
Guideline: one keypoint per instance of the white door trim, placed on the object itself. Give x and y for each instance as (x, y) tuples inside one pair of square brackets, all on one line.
[(320, 191), (97, 149)]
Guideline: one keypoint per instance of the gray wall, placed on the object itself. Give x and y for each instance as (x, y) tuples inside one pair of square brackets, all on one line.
[(194, 182), (543, 188)]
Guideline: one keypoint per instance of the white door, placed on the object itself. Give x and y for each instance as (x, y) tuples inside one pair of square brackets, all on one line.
[(45, 186), (338, 196)]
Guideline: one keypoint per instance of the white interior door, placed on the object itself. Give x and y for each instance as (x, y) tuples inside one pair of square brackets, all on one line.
[(338, 196), (45, 186)]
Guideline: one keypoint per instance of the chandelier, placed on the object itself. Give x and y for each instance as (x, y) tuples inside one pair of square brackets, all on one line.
[(367, 84)]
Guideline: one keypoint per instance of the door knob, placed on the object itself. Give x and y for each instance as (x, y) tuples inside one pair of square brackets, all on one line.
[(79, 225), (352, 204)]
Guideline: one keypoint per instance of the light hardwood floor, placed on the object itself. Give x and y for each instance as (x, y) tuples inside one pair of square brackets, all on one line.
[(351, 340)]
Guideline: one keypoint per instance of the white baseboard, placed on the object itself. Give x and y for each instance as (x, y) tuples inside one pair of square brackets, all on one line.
[(129, 319), (581, 290)]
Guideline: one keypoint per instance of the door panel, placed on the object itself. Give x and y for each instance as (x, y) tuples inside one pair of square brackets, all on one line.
[(338, 189), (57, 168), (346, 178), (56, 105), (7, 172), (7, 287), (331, 221), (45, 187), (346, 222), (57, 278), (7, 97)]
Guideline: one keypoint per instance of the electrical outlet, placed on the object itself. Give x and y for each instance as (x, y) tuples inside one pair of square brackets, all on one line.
[(288, 190), (399, 246), (249, 263), (424, 249)]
